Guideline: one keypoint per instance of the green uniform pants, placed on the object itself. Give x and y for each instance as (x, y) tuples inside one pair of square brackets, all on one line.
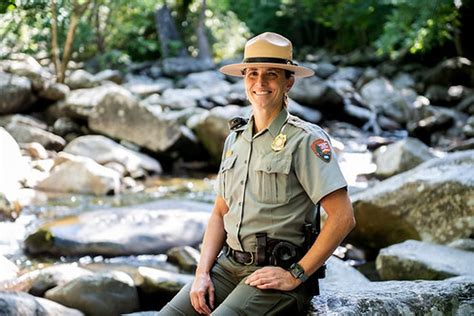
[(234, 297)]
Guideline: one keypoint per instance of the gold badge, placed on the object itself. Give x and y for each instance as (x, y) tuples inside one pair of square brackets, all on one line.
[(279, 142), (228, 153)]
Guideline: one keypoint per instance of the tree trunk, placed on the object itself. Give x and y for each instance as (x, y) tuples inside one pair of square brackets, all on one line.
[(54, 39), (170, 41), (203, 43)]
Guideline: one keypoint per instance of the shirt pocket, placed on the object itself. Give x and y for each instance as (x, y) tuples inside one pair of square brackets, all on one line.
[(225, 180), (272, 179)]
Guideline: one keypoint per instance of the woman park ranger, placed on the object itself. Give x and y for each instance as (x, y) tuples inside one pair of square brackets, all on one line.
[(255, 257)]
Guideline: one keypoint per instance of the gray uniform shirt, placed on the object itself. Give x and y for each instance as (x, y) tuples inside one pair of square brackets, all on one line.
[(274, 191)]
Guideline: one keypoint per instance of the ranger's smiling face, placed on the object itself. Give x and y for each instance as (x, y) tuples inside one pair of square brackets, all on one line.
[(265, 87)]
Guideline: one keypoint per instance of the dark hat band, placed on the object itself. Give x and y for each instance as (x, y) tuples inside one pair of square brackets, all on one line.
[(270, 60)]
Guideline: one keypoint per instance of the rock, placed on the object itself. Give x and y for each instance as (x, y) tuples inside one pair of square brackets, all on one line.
[(211, 82), (400, 156), (7, 208), (26, 66), (468, 128), (54, 91), (100, 294), (453, 71), (8, 270), (104, 150), (35, 150), (15, 94), (306, 113), (65, 126), (430, 119), (109, 75), (143, 229), (463, 244), (122, 117), (467, 105), (351, 74), (403, 81), (13, 304), (187, 258), (80, 79), (447, 297), (316, 93), (212, 128), (28, 134), (177, 66), (37, 282), (446, 95), (162, 282), (88, 177), (432, 202), (144, 86), (22, 119), (13, 168), (178, 99), (80, 103), (324, 70), (415, 260), (340, 275)]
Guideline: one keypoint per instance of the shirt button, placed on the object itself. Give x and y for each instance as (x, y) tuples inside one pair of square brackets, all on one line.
[(236, 225), (245, 161), (242, 182), (240, 203), (269, 168)]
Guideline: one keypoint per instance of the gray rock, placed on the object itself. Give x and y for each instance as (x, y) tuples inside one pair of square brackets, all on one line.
[(88, 177), (340, 275), (453, 71), (100, 294), (109, 75), (80, 79), (210, 82), (400, 156), (65, 125), (7, 209), (446, 95), (177, 66), (178, 99), (22, 119), (15, 94), (187, 258), (468, 128), (54, 91), (8, 270), (122, 117), (143, 229), (161, 282), (26, 66), (104, 150), (35, 150), (324, 70), (306, 113), (28, 134), (314, 92), (432, 202), (467, 105), (463, 244), (415, 260), (13, 304), (81, 103), (351, 74), (144, 86), (403, 80), (448, 297)]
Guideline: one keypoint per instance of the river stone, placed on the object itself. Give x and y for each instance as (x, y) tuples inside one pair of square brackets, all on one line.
[(23, 133), (110, 293), (351, 74), (13, 168), (316, 93), (324, 70), (109, 75), (306, 113), (403, 80), (178, 66), (187, 258), (7, 208), (120, 116), (416, 260), (22, 119), (26, 66), (15, 93), (162, 282), (80, 79), (17, 303), (8, 270), (54, 91), (447, 297), (400, 156), (79, 104), (463, 244), (432, 202), (104, 150), (211, 82), (178, 99), (76, 174), (144, 86), (453, 71), (143, 229)]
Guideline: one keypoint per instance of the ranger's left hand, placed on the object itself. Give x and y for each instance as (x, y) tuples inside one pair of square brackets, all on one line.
[(271, 277)]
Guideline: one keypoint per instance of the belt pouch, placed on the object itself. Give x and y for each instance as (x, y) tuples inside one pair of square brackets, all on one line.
[(261, 249)]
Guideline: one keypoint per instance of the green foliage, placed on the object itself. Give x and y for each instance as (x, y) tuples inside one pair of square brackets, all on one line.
[(7, 5)]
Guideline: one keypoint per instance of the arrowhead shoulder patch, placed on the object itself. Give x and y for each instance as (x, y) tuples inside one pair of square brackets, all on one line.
[(322, 149)]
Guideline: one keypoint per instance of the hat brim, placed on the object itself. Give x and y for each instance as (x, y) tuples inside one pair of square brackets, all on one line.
[(236, 69)]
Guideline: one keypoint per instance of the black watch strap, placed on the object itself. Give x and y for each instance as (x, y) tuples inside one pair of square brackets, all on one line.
[(297, 272)]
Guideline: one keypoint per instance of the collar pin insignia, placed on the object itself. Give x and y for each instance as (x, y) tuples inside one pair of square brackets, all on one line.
[(279, 142)]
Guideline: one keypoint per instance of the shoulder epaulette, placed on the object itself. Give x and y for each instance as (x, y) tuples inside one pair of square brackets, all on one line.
[(309, 128), (237, 122)]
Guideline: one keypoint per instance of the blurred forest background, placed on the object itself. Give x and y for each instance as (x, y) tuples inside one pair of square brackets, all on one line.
[(110, 34)]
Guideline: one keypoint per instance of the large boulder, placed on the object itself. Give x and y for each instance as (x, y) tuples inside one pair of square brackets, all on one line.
[(120, 116), (306, 113), (317, 93), (416, 260), (109, 75), (54, 91), (144, 86), (432, 202), (24, 133), (76, 174), (143, 229), (16, 93), (104, 150), (79, 104), (454, 71), (178, 99), (178, 66), (211, 82), (400, 156), (161, 282), (8, 270), (26, 66), (81, 79), (13, 304), (111, 293)]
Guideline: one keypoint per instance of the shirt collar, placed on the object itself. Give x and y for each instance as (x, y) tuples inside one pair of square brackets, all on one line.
[(274, 128)]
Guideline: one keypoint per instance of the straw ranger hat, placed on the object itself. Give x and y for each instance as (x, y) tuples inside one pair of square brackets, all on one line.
[(267, 50)]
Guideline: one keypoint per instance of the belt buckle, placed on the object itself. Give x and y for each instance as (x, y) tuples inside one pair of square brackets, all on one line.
[(252, 260)]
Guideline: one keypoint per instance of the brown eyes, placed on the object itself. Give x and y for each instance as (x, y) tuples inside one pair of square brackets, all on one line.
[(269, 75)]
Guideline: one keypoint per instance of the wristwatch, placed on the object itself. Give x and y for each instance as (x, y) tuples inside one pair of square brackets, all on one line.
[(297, 272)]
